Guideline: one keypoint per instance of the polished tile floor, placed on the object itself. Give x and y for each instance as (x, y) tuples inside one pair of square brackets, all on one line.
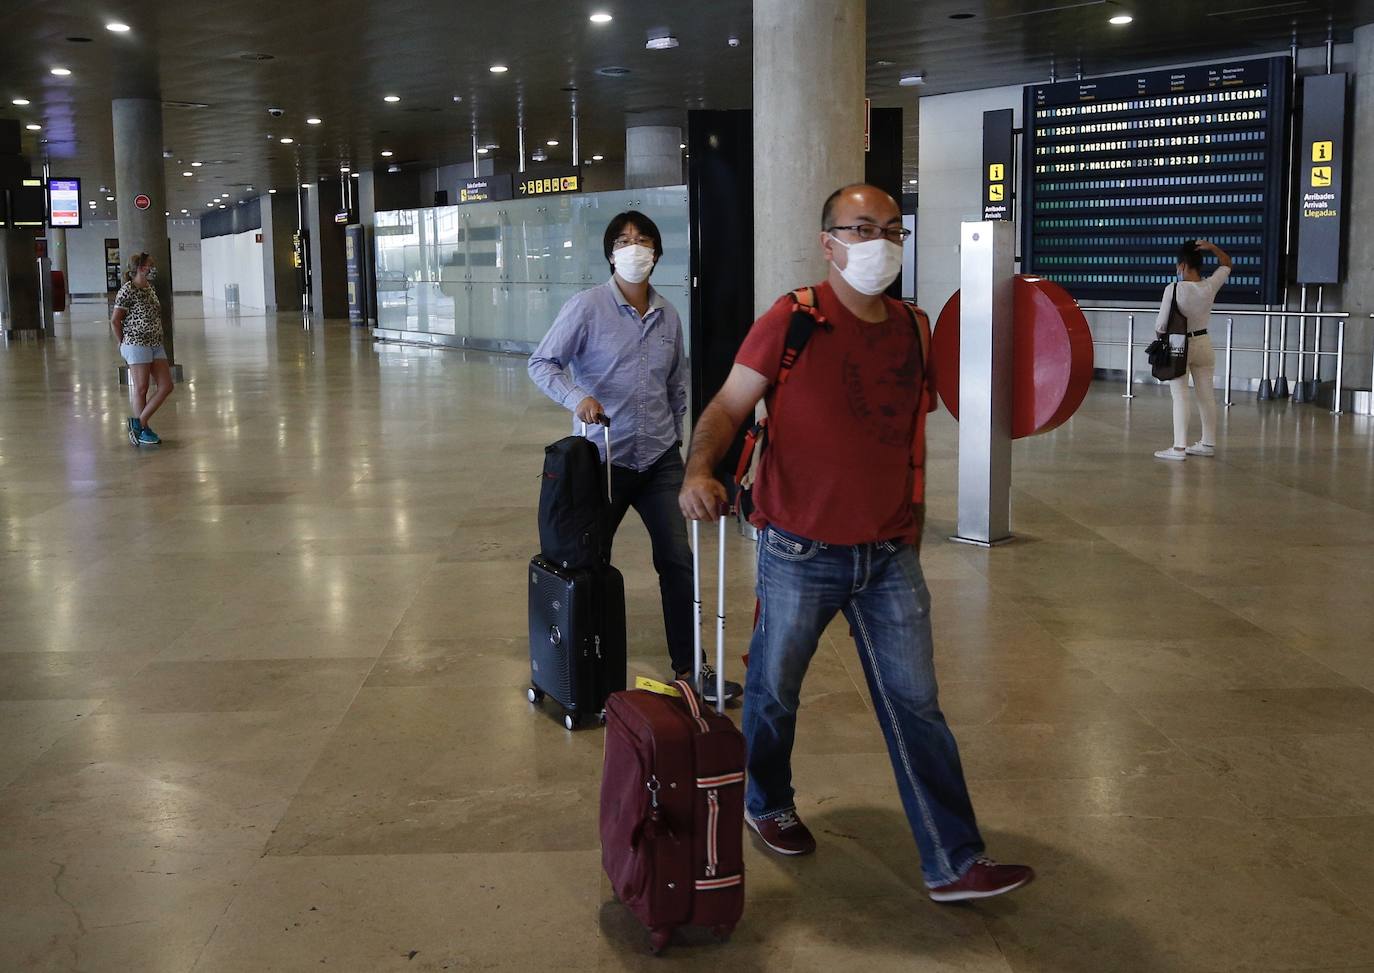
[(261, 689)]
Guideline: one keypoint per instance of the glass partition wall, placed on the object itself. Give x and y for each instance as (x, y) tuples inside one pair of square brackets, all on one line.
[(493, 275)]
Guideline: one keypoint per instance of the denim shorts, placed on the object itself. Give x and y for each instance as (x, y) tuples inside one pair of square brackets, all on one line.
[(141, 354)]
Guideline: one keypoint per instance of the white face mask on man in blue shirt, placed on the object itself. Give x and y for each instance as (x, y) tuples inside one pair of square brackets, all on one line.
[(633, 263)]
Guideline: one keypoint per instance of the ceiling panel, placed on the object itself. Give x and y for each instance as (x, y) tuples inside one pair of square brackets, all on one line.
[(336, 60)]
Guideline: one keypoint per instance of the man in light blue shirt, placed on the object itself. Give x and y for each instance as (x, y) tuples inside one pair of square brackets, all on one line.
[(615, 353)]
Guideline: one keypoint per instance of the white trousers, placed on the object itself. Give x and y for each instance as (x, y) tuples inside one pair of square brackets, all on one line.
[(1202, 363)]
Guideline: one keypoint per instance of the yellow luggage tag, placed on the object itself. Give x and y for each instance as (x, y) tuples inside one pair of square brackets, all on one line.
[(654, 686)]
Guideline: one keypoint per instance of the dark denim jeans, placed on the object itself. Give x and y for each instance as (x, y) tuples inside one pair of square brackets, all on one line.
[(802, 584), (653, 494)]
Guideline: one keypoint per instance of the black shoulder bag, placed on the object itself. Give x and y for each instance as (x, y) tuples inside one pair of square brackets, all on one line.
[(1168, 353)]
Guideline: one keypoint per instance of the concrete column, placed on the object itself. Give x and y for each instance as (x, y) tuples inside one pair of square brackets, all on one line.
[(328, 273), (653, 156), (57, 253), (139, 172), (808, 131), (281, 290), (1356, 295)]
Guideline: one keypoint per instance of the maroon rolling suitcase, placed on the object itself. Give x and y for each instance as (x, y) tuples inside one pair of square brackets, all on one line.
[(672, 798)]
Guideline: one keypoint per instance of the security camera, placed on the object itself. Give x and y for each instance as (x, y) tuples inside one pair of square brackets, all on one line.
[(733, 42), (276, 112)]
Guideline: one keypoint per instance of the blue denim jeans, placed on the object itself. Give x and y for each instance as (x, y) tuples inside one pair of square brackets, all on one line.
[(880, 589)]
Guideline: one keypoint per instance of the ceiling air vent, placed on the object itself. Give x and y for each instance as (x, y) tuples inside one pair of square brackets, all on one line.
[(255, 56), (189, 105), (613, 72)]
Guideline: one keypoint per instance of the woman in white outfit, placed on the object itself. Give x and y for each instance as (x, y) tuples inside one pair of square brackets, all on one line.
[(1195, 295)]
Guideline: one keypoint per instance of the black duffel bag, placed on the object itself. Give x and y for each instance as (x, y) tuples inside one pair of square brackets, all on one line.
[(573, 506)]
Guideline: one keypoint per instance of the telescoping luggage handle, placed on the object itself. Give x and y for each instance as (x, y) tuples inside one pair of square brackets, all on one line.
[(608, 454), (697, 655)]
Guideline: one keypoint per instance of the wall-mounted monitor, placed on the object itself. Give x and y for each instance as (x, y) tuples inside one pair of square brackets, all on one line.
[(64, 202)]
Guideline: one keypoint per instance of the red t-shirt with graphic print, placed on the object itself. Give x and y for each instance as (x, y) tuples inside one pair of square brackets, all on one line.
[(843, 430)]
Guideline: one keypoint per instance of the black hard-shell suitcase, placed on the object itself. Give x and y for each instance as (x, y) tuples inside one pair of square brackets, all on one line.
[(577, 614), (577, 638)]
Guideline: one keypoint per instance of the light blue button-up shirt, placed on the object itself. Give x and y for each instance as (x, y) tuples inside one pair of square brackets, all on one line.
[(635, 367)]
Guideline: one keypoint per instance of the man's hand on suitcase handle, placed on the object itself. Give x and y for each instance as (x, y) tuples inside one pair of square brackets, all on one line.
[(703, 498), (591, 412)]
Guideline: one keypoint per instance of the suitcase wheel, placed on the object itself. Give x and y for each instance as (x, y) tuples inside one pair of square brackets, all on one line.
[(570, 721), (534, 695), (659, 939)]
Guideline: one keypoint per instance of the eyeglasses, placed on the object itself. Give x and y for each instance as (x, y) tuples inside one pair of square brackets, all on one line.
[(630, 241), (872, 231)]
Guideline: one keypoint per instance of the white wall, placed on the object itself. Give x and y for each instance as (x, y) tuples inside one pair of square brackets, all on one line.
[(86, 255), (236, 259), (951, 164)]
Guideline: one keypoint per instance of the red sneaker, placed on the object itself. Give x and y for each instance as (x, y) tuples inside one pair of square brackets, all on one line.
[(784, 833), (984, 879)]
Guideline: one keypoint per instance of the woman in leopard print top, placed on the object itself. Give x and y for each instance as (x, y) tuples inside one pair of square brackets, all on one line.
[(137, 324)]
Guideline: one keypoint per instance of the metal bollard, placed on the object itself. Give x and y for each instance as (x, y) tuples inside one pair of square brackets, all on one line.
[(1281, 383), (1266, 387), (1130, 357), (1230, 328), (1300, 387), (1340, 366)]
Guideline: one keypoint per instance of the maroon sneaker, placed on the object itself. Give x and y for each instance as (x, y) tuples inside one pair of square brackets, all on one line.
[(784, 833), (984, 879)]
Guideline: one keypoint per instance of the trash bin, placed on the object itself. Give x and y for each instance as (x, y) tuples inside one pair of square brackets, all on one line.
[(231, 295)]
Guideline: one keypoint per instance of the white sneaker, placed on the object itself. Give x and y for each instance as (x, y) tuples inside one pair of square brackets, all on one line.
[(1173, 453), (1201, 449)]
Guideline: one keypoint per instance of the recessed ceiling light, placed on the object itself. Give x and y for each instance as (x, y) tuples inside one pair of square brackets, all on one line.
[(314, 121), (166, 212), (117, 27), (305, 185), (20, 102), (601, 17), (223, 195), (682, 145), (483, 151), (911, 182), (597, 158), (61, 72), (183, 212), (188, 172), (357, 175), (249, 189), (551, 143), (345, 169), (393, 168), (222, 206), (498, 69), (271, 192), (34, 127), (387, 153), (109, 199), (391, 99), (287, 141), (1121, 20), (92, 204), (665, 43), (910, 80), (197, 165)]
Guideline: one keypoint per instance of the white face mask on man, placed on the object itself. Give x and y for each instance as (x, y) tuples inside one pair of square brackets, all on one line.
[(873, 265), (633, 263)]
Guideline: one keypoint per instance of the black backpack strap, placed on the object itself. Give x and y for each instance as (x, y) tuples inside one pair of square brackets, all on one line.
[(805, 317)]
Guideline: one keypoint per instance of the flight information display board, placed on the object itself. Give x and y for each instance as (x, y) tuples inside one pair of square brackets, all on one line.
[(1120, 170)]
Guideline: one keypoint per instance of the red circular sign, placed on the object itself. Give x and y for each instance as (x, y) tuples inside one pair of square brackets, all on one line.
[(142, 202), (1052, 356)]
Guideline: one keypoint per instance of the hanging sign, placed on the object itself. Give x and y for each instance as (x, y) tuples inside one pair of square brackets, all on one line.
[(142, 202), (485, 189), (1321, 174), (548, 182), (998, 138)]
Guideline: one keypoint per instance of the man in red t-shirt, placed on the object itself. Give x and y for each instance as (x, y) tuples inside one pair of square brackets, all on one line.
[(839, 506)]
